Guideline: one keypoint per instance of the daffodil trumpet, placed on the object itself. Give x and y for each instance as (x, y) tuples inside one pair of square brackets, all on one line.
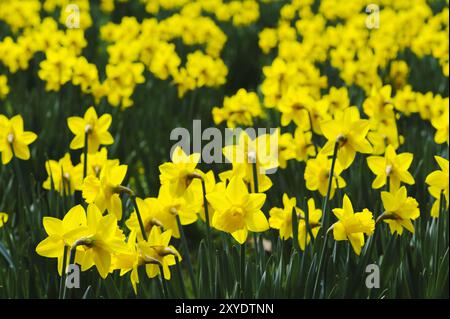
[(339, 140)]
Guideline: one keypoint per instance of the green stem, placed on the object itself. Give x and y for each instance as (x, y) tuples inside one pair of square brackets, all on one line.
[(186, 253), (86, 138), (180, 276), (330, 179), (242, 276), (163, 282), (205, 205), (256, 190), (63, 273), (322, 254), (138, 214)]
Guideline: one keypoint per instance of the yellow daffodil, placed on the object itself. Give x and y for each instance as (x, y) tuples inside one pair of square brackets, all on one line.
[(14, 140), (169, 206), (3, 219), (304, 147), (97, 161), (438, 183), (62, 233), (180, 174), (96, 128), (317, 173), (314, 216), (262, 150), (158, 249), (239, 109), (103, 238), (350, 132), (104, 190), (149, 209), (281, 218), (352, 226), (393, 166), (400, 210), (441, 124), (237, 211), (63, 177)]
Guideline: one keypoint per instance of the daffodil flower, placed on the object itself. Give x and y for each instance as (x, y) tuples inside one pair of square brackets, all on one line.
[(281, 218), (104, 191), (393, 166), (180, 174), (65, 177), (350, 132), (314, 216), (149, 209), (352, 226), (96, 128), (156, 253), (13, 139), (169, 206), (400, 210), (438, 183), (237, 211), (3, 219), (317, 173), (62, 233), (102, 239), (97, 161)]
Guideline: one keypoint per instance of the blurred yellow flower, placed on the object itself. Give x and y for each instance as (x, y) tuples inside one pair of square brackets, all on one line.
[(3, 219)]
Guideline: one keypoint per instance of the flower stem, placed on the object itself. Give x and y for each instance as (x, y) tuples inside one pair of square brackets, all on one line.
[(163, 282), (138, 214), (330, 179), (205, 205), (86, 139), (319, 269), (180, 276), (63, 273), (242, 276), (256, 190), (186, 253), (295, 230)]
